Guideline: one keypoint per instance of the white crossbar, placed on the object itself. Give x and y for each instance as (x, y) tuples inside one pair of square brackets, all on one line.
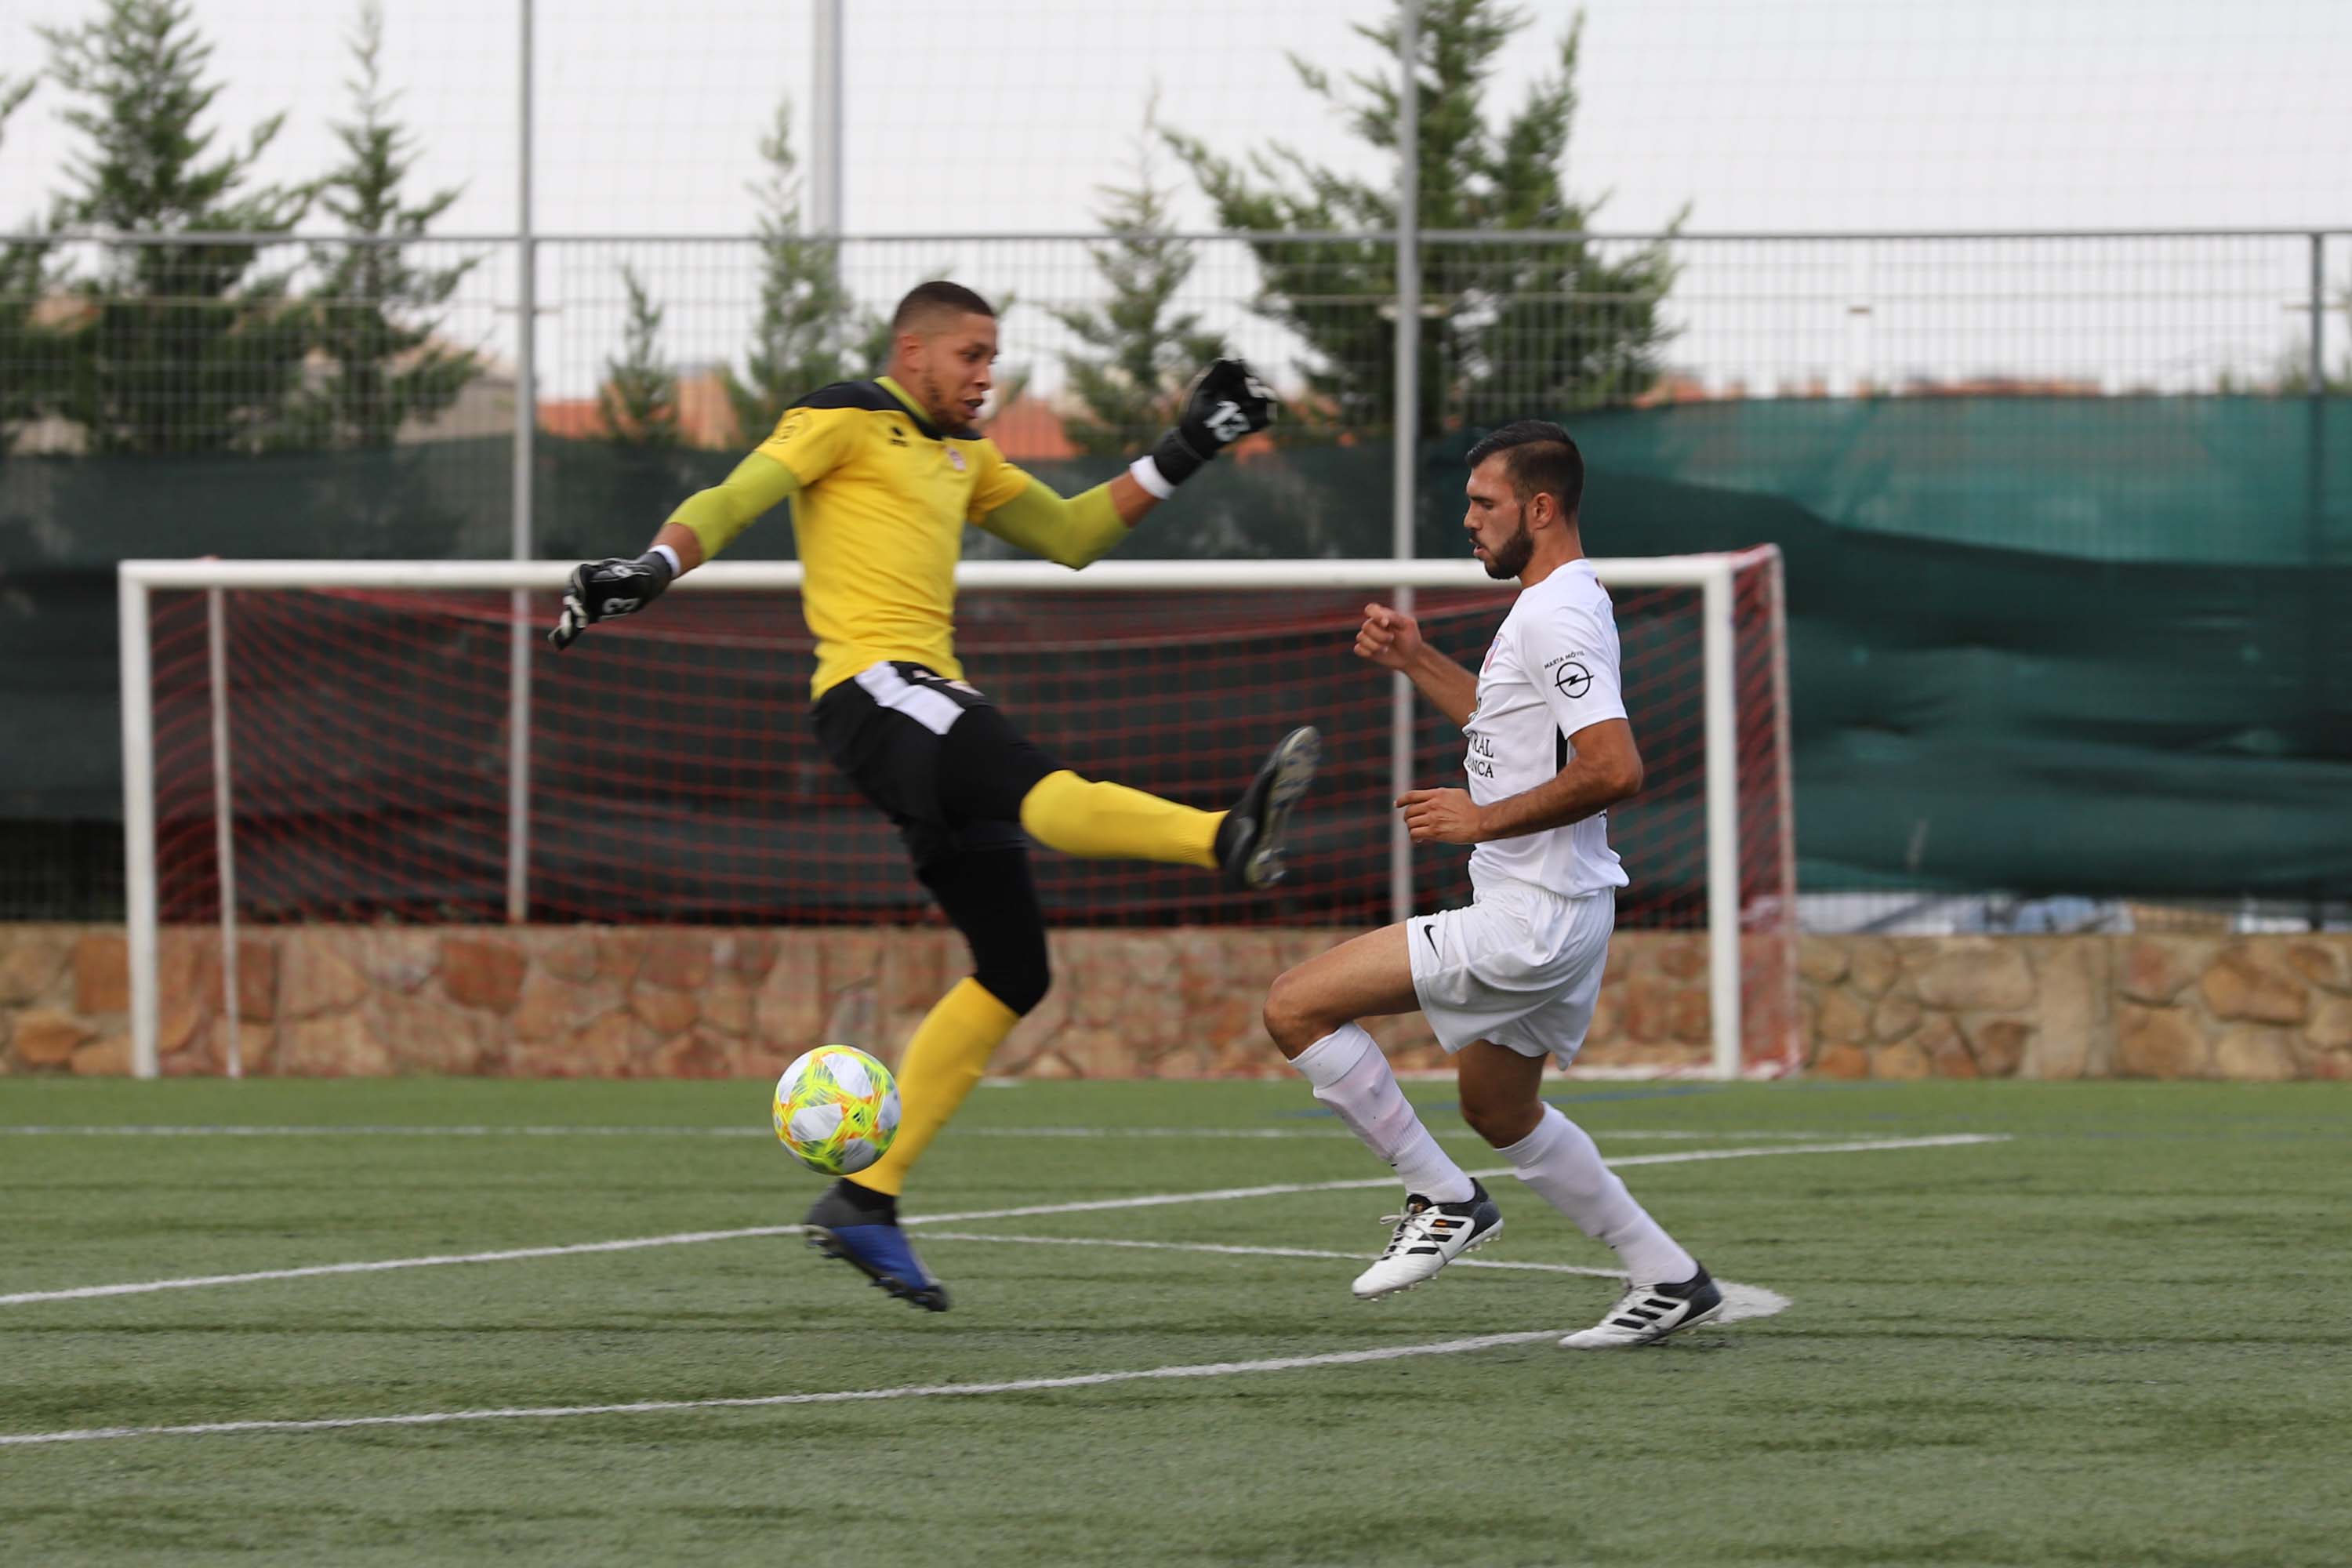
[(1111, 576)]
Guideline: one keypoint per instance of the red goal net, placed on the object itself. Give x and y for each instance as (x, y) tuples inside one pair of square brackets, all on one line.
[(672, 778)]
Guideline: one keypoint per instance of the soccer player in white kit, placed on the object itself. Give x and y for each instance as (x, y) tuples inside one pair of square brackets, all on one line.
[(1510, 981)]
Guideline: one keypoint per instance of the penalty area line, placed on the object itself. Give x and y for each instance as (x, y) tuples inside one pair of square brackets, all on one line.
[(764, 1402), (1025, 1211)]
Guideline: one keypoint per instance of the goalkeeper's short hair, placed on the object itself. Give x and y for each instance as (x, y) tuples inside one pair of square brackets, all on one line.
[(937, 297)]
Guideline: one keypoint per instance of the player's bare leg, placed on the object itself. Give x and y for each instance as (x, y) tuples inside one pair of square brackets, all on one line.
[(1311, 1013), (1502, 1099)]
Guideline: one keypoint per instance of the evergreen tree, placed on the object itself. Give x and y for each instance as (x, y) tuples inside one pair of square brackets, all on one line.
[(28, 363), (1509, 330), (1140, 350), (639, 400), (374, 309), (182, 346), (808, 333)]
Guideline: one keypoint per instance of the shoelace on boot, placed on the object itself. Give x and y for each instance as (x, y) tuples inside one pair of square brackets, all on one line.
[(1415, 1225)]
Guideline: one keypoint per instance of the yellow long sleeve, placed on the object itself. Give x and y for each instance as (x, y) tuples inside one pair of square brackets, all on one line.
[(1074, 531), (717, 515)]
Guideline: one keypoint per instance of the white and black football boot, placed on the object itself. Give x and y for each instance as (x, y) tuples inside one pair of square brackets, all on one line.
[(1645, 1314), (1427, 1238)]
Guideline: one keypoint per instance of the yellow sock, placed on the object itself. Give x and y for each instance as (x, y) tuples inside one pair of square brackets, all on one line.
[(1069, 814), (948, 1051)]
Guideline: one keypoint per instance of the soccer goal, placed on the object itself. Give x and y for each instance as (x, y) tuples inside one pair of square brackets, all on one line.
[(393, 743)]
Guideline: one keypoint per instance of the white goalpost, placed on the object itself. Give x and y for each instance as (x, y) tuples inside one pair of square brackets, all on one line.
[(1726, 609)]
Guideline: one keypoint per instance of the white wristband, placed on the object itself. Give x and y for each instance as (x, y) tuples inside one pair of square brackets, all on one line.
[(1146, 473), (670, 555)]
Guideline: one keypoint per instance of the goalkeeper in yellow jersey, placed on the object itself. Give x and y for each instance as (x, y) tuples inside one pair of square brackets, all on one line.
[(885, 474)]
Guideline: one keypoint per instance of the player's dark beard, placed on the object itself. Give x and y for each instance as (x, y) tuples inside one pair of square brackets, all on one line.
[(943, 409), (1510, 558)]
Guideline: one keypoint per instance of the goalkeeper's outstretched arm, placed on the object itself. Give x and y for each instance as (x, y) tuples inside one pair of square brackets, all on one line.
[(703, 525), (1225, 402)]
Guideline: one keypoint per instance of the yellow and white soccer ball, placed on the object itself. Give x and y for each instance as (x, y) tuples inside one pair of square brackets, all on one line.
[(836, 1109)]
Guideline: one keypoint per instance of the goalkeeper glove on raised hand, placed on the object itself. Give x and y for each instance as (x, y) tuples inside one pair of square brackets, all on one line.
[(1225, 404), (599, 590)]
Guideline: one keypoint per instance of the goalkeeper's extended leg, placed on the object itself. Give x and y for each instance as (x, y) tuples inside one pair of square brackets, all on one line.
[(1081, 817), (991, 897), (986, 771)]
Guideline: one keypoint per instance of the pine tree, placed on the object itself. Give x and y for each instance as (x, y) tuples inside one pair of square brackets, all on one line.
[(182, 346), (639, 400), (1140, 350), (1509, 330), (375, 310), (28, 363), (808, 331)]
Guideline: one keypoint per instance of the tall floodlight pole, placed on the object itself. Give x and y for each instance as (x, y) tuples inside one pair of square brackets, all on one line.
[(526, 417), (824, 121), (1408, 420)]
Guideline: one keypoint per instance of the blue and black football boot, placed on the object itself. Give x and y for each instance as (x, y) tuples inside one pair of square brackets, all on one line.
[(860, 1226)]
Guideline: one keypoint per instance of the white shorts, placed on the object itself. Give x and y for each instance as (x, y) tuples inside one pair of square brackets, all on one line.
[(1520, 967)]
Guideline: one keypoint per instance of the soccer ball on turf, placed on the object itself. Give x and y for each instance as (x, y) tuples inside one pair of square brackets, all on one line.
[(836, 1109)]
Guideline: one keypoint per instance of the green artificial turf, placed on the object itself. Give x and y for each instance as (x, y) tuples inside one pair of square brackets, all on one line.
[(2119, 1336)]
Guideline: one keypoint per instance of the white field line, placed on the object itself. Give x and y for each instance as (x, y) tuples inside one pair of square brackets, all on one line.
[(845, 1397), (1740, 1302), (1096, 1205), (1232, 1250), (486, 1131)]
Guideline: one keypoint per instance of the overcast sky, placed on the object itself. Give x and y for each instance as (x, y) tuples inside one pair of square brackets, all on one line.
[(1759, 114), (1773, 115)]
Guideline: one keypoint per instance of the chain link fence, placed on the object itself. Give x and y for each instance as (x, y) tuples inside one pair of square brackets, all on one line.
[(2154, 399), (157, 345)]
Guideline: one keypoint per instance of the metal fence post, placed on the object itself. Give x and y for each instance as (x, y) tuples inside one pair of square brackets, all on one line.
[(2320, 617), (520, 649), (1408, 427), (825, 184)]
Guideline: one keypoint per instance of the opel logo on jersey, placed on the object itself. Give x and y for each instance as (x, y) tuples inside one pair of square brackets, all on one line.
[(1571, 679)]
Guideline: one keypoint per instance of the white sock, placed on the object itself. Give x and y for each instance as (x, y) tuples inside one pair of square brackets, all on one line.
[(1351, 1076), (1559, 1162)]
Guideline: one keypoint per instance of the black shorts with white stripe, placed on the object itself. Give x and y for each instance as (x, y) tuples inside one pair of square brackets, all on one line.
[(935, 755)]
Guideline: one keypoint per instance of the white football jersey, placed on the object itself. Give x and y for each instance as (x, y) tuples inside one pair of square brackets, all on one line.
[(1551, 670)]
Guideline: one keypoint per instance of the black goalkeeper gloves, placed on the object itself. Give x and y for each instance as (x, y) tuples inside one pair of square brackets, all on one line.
[(1227, 403), (599, 590)]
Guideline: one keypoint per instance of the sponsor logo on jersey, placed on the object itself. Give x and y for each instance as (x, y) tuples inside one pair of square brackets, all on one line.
[(1571, 679)]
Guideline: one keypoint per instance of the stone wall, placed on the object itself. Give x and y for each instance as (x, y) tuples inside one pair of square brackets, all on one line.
[(583, 1001), (2253, 1007)]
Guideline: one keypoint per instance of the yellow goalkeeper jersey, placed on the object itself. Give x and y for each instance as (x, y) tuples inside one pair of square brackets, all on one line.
[(880, 497)]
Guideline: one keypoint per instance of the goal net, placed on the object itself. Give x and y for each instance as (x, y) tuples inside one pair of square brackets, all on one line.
[(356, 743)]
